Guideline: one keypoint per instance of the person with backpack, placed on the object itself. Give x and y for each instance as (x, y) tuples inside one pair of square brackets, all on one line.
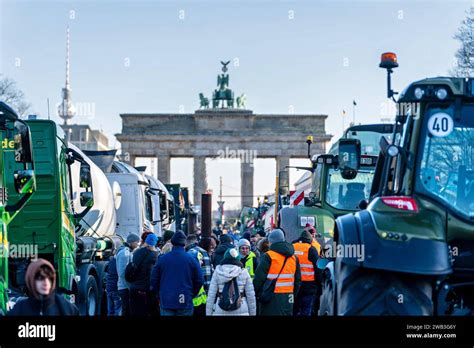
[(307, 256), (123, 258), (278, 277), (248, 258), (43, 300), (177, 278), (231, 292), (142, 301)]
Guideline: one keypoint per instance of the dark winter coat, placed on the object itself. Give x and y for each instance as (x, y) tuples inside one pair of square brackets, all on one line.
[(177, 278), (144, 259), (281, 304), (42, 305), (52, 305)]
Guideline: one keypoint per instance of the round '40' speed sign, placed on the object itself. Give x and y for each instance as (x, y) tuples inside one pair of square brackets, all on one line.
[(440, 124)]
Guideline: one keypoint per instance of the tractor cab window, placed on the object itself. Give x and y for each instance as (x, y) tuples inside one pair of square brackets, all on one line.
[(370, 141), (346, 194), (446, 170), (316, 184)]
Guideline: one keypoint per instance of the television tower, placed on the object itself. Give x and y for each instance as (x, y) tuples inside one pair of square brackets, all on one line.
[(66, 109)]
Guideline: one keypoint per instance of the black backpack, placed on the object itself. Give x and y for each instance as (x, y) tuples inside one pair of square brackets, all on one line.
[(131, 270), (230, 299)]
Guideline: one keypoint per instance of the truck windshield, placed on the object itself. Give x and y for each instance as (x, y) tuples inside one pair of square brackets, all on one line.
[(346, 194), (446, 170)]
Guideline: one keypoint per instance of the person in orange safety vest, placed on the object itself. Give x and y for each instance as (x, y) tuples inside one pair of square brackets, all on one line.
[(308, 256), (279, 267)]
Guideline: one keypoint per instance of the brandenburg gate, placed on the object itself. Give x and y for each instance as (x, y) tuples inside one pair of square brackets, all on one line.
[(213, 131)]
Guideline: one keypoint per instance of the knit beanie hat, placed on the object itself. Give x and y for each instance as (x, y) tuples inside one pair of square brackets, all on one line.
[(225, 238), (179, 238), (243, 242), (231, 254), (132, 237), (151, 239), (246, 235), (276, 236)]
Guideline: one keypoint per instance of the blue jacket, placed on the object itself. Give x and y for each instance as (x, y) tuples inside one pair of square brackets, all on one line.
[(112, 276), (177, 278)]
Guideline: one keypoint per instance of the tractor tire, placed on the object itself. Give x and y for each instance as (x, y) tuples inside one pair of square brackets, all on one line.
[(362, 291), (326, 301), (89, 304)]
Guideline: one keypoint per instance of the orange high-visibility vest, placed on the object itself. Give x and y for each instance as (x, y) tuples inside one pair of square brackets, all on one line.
[(306, 266), (286, 281), (316, 244)]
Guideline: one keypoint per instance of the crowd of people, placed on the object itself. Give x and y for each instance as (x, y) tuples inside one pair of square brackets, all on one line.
[(191, 275)]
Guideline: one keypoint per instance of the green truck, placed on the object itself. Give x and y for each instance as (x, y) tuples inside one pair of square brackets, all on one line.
[(417, 233), (17, 184), (61, 221)]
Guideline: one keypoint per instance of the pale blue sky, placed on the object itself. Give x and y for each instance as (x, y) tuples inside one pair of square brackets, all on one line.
[(312, 56)]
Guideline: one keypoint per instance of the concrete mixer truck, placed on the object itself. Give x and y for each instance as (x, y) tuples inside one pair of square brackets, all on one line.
[(145, 201)]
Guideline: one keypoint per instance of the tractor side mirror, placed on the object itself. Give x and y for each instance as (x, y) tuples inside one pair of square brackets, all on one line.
[(24, 181), (349, 157), (87, 199), (85, 178), (313, 197), (22, 139)]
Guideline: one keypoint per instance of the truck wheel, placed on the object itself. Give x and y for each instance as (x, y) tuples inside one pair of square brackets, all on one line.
[(102, 269), (326, 306), (89, 305), (362, 291)]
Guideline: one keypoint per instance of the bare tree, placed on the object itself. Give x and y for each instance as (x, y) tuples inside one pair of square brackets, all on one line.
[(10, 94), (464, 65)]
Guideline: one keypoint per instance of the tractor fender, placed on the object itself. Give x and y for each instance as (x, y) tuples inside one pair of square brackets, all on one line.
[(357, 232), (329, 273)]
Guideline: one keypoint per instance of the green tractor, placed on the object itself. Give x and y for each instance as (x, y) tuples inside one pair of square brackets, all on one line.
[(16, 163), (335, 192), (410, 252)]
